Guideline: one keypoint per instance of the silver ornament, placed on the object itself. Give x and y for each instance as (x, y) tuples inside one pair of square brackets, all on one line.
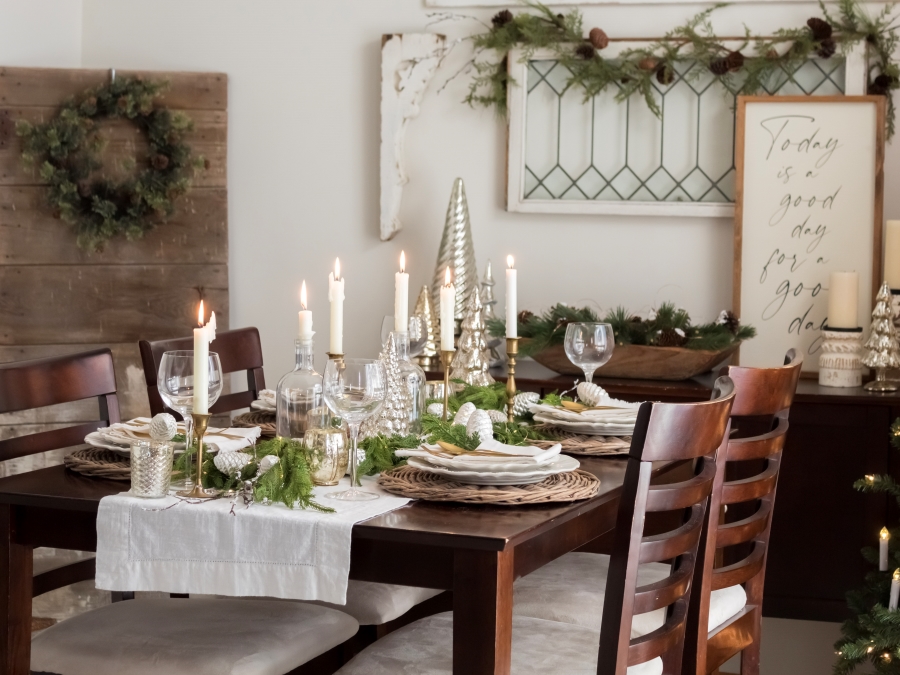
[(473, 357), (163, 427), (231, 463), (436, 409), (590, 393), (456, 252), (480, 423), (464, 413), (496, 416), (398, 403), (523, 401), (265, 464)]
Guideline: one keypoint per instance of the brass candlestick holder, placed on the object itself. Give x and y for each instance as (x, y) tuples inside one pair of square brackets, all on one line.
[(335, 357), (446, 358), (201, 423), (512, 348)]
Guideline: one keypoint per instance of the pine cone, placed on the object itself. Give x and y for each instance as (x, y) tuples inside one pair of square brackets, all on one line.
[(730, 321), (159, 162), (871, 38), (719, 66), (821, 29), (525, 316), (561, 324), (502, 18), (670, 337), (586, 51), (648, 63), (885, 81), (827, 48), (635, 319), (665, 75), (881, 85), (735, 61), (599, 38)]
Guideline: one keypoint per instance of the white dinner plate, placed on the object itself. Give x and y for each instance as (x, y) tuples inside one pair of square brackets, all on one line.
[(96, 440), (262, 405), (560, 464), (588, 428)]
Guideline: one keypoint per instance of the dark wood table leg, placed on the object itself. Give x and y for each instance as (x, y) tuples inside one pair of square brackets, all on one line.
[(482, 612), (16, 569)]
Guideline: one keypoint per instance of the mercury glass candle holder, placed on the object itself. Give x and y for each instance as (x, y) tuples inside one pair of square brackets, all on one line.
[(326, 448), (151, 468)]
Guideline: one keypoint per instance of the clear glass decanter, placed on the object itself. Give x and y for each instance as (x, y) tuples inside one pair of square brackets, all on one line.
[(298, 393), (415, 381)]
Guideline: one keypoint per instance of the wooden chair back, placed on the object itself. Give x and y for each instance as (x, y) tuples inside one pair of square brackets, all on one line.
[(25, 385), (665, 432), (61, 379), (735, 539), (238, 350)]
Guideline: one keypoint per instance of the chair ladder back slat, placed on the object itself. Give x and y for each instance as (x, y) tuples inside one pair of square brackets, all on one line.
[(742, 571), (755, 487), (666, 592), (746, 529), (43, 441)]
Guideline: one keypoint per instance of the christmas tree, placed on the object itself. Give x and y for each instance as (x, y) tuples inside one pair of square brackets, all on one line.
[(872, 635), (882, 350), (472, 360)]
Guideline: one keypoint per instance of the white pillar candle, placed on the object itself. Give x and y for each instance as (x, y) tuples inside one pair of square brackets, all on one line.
[(401, 297), (843, 296), (895, 590), (892, 254), (448, 302), (202, 337), (306, 331), (883, 538), (512, 316), (336, 297)]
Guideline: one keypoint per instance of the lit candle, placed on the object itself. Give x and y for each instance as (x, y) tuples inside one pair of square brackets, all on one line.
[(843, 295), (448, 302), (306, 331), (202, 337), (883, 538), (401, 297), (336, 297), (895, 590), (892, 254), (512, 319)]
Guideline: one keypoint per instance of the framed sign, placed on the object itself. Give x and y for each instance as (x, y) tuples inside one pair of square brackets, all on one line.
[(809, 193)]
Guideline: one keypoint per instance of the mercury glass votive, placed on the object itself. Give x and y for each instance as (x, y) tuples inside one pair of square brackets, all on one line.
[(151, 468), (327, 449)]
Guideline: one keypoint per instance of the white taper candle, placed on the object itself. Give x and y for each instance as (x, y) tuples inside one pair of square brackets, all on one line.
[(883, 538), (201, 366), (512, 315), (448, 303), (401, 297), (336, 297), (305, 316)]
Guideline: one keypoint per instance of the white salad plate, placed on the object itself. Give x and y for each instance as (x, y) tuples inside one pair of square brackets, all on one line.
[(534, 474)]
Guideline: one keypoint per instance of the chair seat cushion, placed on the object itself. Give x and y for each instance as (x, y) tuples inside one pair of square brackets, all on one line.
[(572, 589), (374, 604), (425, 647), (197, 636)]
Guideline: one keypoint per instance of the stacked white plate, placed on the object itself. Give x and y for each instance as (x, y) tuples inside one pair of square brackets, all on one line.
[(120, 436), (610, 417), (498, 465), (265, 402)]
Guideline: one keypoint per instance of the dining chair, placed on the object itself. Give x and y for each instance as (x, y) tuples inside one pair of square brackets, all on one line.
[(734, 543), (238, 350), (153, 636), (642, 623)]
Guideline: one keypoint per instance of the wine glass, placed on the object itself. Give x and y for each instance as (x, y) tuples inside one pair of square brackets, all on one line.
[(354, 389), (589, 346), (175, 381)]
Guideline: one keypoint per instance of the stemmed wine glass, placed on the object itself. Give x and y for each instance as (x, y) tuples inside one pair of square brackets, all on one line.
[(589, 346), (354, 389), (175, 381)]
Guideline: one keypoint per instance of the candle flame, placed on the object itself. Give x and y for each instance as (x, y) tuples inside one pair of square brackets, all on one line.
[(200, 315), (402, 261), (509, 261), (884, 534), (447, 276), (897, 574), (303, 294), (337, 269)]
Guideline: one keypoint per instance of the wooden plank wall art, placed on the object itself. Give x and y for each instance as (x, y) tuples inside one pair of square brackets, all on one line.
[(56, 298)]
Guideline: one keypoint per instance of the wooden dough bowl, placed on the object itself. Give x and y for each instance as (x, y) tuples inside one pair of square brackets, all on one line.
[(640, 362)]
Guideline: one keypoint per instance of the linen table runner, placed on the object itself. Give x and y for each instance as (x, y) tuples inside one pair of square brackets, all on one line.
[(172, 546)]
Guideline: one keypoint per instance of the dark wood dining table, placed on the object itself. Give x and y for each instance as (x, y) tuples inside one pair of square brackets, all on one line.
[(474, 551)]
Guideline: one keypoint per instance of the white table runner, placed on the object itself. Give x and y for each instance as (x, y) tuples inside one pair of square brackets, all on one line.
[(267, 551)]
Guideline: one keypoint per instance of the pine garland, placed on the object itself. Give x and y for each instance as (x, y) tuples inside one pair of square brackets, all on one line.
[(872, 635), (634, 70), (489, 397), (668, 326), (380, 452), (67, 151)]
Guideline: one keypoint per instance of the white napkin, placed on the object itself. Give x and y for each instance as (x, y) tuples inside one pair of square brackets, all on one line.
[(267, 396), (515, 454), (217, 438)]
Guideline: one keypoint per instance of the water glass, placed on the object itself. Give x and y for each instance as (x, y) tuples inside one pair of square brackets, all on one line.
[(589, 346), (151, 468)]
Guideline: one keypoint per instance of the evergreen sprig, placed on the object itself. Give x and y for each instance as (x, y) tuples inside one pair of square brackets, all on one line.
[(637, 71), (490, 397), (380, 452), (437, 429)]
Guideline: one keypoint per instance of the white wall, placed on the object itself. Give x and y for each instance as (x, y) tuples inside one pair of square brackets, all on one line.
[(303, 164), (40, 33)]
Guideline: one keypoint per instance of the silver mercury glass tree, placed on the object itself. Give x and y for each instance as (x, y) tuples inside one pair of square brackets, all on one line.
[(456, 252), (881, 349), (398, 403), (488, 300), (472, 361)]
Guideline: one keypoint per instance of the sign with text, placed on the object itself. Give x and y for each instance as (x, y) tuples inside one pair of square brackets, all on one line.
[(809, 202)]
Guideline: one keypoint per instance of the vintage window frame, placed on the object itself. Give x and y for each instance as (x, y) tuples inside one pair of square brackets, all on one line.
[(855, 85)]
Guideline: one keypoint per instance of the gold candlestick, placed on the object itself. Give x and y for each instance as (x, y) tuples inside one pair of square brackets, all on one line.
[(446, 358), (201, 423), (335, 357), (512, 348)]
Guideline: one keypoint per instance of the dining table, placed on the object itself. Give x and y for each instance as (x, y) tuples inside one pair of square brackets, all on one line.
[(474, 551)]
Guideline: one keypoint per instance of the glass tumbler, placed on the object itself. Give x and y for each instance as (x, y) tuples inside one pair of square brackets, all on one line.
[(151, 468)]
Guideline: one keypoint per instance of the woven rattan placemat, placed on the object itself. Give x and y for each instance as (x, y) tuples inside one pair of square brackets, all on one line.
[(257, 418), (417, 484), (100, 463), (580, 444)]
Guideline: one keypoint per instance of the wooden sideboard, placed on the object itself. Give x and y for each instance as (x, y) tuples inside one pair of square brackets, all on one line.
[(820, 522)]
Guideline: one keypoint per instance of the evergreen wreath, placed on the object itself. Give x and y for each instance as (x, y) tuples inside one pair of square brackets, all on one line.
[(634, 70), (68, 151)]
